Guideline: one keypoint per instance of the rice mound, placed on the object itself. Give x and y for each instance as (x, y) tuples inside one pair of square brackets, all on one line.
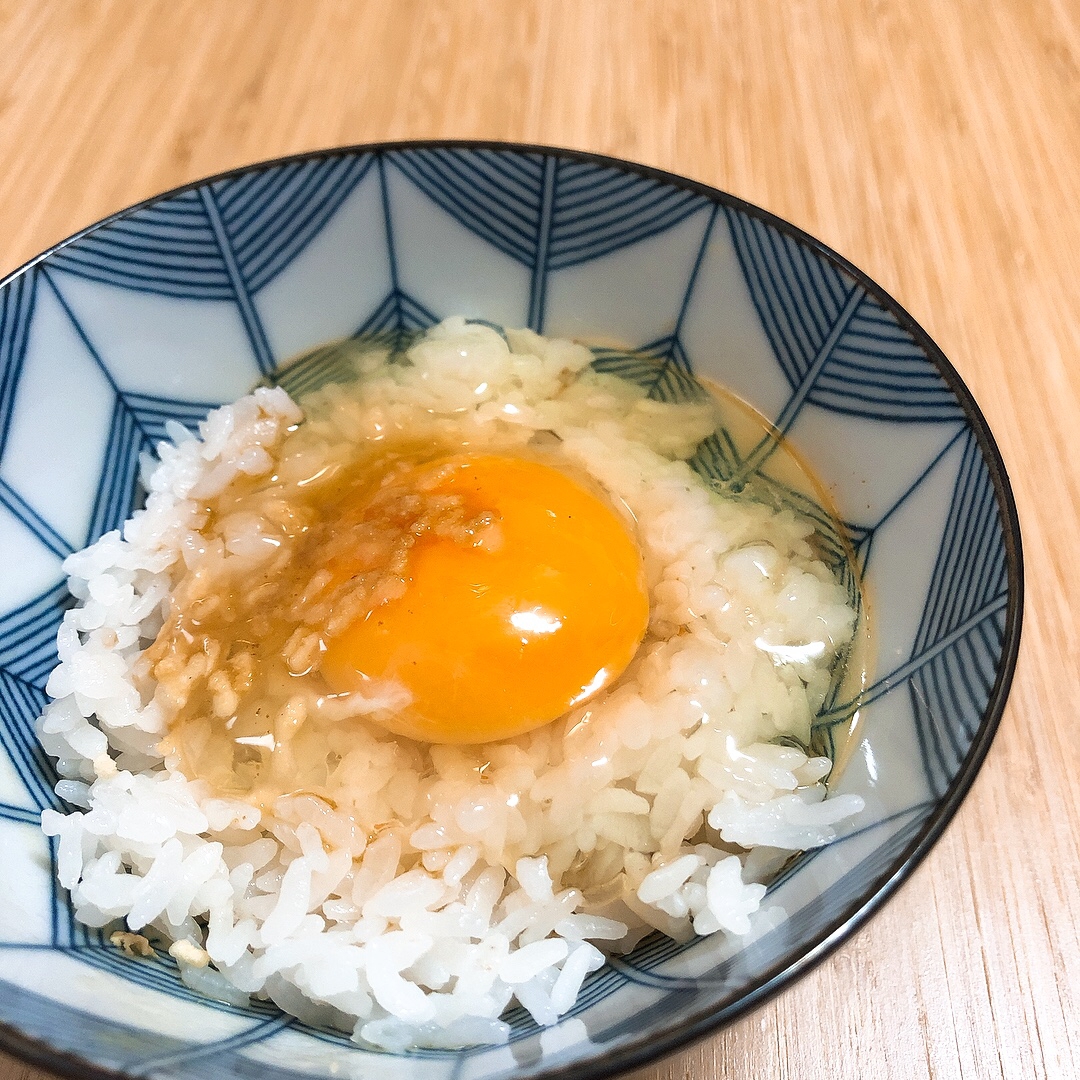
[(663, 805)]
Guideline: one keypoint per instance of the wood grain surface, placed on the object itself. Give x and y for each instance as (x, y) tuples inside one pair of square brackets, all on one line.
[(936, 144)]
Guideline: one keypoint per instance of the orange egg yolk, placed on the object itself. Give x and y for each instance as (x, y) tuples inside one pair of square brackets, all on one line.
[(502, 629)]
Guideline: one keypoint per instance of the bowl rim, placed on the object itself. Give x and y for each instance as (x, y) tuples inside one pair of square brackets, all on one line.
[(647, 1048)]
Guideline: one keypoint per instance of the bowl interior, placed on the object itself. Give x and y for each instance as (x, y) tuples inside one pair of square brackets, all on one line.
[(185, 302)]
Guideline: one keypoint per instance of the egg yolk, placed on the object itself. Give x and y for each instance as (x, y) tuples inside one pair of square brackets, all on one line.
[(504, 626)]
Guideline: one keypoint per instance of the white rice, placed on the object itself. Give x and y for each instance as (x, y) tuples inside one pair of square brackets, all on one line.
[(662, 805)]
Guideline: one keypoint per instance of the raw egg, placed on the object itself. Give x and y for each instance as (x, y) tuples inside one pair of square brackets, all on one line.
[(529, 603)]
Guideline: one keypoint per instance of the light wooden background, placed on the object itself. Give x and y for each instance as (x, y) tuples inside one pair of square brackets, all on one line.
[(936, 143)]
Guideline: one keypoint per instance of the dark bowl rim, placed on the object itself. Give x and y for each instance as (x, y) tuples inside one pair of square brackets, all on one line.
[(649, 1048)]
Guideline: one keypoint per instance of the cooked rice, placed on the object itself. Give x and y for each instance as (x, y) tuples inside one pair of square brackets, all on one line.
[(663, 805)]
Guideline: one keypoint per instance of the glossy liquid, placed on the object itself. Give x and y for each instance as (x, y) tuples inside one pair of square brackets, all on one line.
[(450, 598), (241, 655), (782, 477)]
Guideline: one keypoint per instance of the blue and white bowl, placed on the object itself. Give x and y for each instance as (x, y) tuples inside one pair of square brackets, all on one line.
[(185, 301)]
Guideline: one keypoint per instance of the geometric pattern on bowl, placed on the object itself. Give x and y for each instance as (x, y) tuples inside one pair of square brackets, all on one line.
[(183, 303)]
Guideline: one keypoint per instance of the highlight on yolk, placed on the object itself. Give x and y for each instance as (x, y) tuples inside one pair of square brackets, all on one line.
[(507, 629)]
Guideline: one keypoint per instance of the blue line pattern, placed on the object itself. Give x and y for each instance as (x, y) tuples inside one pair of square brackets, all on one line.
[(34, 522), (224, 241), (20, 704), (600, 211), (221, 1047), (120, 469), (661, 367), (970, 582), (19, 814), (397, 312), (241, 290), (172, 248), (546, 213), (496, 196), (28, 636), (150, 413), (836, 347), (16, 310), (168, 248), (159, 973), (137, 425), (395, 323)]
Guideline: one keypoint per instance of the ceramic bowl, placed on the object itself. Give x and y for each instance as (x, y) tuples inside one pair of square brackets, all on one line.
[(185, 301)]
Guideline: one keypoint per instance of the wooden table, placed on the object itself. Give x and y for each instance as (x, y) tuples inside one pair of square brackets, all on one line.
[(936, 143)]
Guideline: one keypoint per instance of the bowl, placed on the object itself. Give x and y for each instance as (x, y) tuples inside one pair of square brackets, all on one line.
[(185, 301)]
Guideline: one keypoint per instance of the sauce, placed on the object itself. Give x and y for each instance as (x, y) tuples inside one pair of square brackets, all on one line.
[(238, 659), (783, 478)]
